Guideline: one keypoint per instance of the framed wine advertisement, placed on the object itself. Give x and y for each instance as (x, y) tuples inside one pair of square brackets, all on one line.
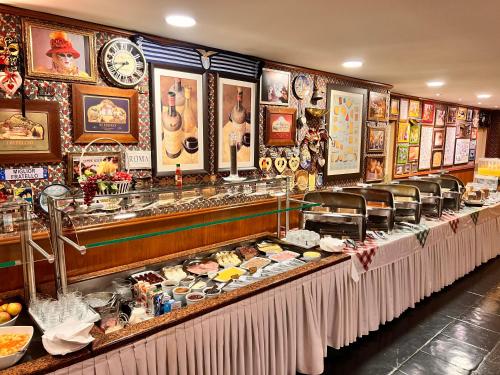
[(402, 154), (378, 106), (90, 162), (105, 112), (31, 139), (346, 117), (413, 152), (403, 132), (179, 126), (438, 141), (237, 109), (280, 126)]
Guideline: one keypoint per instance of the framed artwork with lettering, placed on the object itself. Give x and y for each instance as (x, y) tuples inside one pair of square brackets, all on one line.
[(280, 126), (90, 162)]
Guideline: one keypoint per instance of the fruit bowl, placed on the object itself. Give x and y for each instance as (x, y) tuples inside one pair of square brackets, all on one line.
[(10, 322)]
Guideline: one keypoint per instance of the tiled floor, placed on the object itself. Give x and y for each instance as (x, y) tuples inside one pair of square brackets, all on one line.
[(455, 331)]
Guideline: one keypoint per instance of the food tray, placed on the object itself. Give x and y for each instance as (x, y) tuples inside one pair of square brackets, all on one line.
[(251, 263), (225, 275), (284, 256), (190, 262), (135, 276)]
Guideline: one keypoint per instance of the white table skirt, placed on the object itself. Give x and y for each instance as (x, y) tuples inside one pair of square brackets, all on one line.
[(288, 328)]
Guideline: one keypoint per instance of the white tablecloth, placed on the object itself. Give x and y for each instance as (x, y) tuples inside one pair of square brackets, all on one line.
[(288, 328)]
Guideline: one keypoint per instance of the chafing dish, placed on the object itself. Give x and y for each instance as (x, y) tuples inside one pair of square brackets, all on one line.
[(430, 196), (340, 215), (379, 207), (450, 191), (406, 201)]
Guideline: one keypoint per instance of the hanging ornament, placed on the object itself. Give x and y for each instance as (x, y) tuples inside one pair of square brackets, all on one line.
[(265, 164), (280, 164), (294, 163), (10, 81)]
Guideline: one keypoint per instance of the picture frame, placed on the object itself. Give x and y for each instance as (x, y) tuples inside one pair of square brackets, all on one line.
[(375, 168), (451, 115), (425, 153), (449, 146), (91, 161), (403, 132), (470, 113), (407, 169), (38, 141), (344, 153), (414, 167), (394, 109), (414, 137), (275, 87), (105, 112), (399, 169), (473, 134), (281, 125), (231, 90), (378, 106), (403, 109), (437, 159), (462, 146), (413, 153), (440, 116), (428, 112), (462, 114), (174, 142), (438, 139), (415, 109), (59, 52), (402, 154), (376, 139), (472, 154)]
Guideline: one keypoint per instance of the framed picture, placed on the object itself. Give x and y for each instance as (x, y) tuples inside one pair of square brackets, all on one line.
[(403, 109), (463, 129), (469, 114), (403, 132), (402, 154), (105, 112), (472, 154), (33, 139), (179, 123), (237, 110), (275, 87), (440, 116), (376, 139), (375, 166), (462, 114), (413, 152), (473, 133), (280, 126), (414, 167), (428, 113), (399, 169), (346, 117), (378, 106), (462, 151), (414, 132), (438, 140), (90, 161), (449, 146), (407, 169), (414, 110), (437, 159), (59, 53), (424, 159), (394, 111), (451, 117)]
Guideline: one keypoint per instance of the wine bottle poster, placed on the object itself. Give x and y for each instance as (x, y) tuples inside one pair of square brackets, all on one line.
[(179, 121), (236, 121)]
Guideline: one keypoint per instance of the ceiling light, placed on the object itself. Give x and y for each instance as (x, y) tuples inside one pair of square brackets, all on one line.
[(180, 21), (435, 83), (484, 96), (352, 64), (438, 94), (459, 99), (479, 103)]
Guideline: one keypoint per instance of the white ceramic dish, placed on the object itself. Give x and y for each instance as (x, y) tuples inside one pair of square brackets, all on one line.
[(10, 360), (10, 322)]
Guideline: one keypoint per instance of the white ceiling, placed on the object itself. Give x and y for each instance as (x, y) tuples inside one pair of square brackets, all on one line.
[(404, 43)]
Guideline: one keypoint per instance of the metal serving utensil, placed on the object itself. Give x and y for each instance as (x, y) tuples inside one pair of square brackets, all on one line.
[(233, 278)]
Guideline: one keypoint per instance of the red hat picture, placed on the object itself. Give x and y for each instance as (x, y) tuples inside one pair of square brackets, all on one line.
[(60, 43)]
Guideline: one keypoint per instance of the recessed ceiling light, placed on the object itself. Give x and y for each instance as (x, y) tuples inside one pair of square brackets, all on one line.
[(180, 21), (496, 106), (438, 94), (352, 64), (479, 103), (483, 96), (459, 99), (435, 83)]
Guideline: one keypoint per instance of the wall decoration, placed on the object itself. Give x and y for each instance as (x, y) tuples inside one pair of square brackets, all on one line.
[(413, 153), (294, 163), (414, 168), (414, 109), (407, 169), (470, 113), (472, 154), (280, 126), (302, 86), (440, 115), (25, 193), (10, 81), (402, 154), (462, 114), (399, 169), (428, 113), (345, 126), (179, 131), (449, 146), (374, 168), (236, 121), (59, 52), (30, 139), (376, 139), (101, 111), (275, 87), (438, 141), (475, 118), (451, 116), (414, 132), (463, 129), (462, 151), (90, 162), (437, 159), (53, 190), (403, 132), (394, 111), (424, 159), (378, 106), (25, 173), (9, 52), (473, 133), (403, 109)]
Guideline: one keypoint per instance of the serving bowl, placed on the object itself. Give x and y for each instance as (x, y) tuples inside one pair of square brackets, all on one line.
[(12, 359), (10, 322)]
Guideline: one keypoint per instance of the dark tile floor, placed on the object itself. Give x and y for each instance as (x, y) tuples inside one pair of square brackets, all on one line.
[(455, 331)]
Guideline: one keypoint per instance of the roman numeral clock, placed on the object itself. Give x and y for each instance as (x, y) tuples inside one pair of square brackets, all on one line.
[(123, 62)]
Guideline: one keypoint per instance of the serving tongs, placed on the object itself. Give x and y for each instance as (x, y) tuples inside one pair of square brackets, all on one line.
[(351, 243)]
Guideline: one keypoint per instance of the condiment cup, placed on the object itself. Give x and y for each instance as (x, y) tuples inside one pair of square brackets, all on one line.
[(180, 293), (211, 292), (168, 286), (191, 297)]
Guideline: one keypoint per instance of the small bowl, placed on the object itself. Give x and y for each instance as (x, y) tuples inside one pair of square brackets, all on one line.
[(180, 293), (10, 360), (211, 295), (310, 256), (199, 286), (10, 322), (186, 281), (168, 286), (194, 297)]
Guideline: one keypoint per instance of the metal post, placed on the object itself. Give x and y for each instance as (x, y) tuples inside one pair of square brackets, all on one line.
[(279, 217), (27, 254), (57, 245), (287, 205)]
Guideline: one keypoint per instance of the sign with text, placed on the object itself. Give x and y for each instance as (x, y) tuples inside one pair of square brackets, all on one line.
[(12, 174), (138, 159)]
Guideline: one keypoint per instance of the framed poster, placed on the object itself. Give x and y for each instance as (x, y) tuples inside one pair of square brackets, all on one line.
[(414, 110), (378, 106), (414, 132), (402, 154), (469, 114), (274, 87), (345, 125), (462, 114), (437, 159), (101, 111), (438, 140), (440, 116), (374, 168), (475, 118), (473, 133), (59, 53), (90, 162), (399, 169), (462, 150), (472, 154), (403, 109), (428, 113), (407, 168), (463, 129), (179, 123), (31, 139), (451, 116), (394, 111), (424, 158), (280, 126), (376, 139), (403, 132), (237, 109), (414, 167), (413, 153), (449, 146)]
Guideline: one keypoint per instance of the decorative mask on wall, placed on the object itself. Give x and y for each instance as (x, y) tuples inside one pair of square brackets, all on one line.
[(9, 52)]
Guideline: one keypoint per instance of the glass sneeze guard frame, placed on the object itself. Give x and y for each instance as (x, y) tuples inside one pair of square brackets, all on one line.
[(180, 200)]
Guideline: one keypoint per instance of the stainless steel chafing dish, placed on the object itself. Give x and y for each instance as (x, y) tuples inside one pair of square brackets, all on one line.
[(450, 191), (406, 201), (380, 207), (430, 196), (340, 215)]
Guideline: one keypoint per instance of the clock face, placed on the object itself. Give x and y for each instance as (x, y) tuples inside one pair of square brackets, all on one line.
[(301, 86), (123, 62), (54, 190)]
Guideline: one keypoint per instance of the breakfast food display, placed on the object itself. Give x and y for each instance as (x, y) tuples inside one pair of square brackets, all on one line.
[(269, 247), (256, 262), (284, 255), (226, 274), (202, 267), (247, 252), (11, 343), (311, 255), (9, 311), (227, 258), (149, 277), (175, 273)]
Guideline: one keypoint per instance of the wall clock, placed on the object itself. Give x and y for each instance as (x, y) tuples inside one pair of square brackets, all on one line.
[(301, 86), (123, 62)]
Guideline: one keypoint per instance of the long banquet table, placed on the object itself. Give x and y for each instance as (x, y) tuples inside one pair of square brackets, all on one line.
[(288, 328)]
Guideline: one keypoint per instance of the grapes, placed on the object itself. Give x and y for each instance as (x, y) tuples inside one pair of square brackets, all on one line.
[(101, 182)]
